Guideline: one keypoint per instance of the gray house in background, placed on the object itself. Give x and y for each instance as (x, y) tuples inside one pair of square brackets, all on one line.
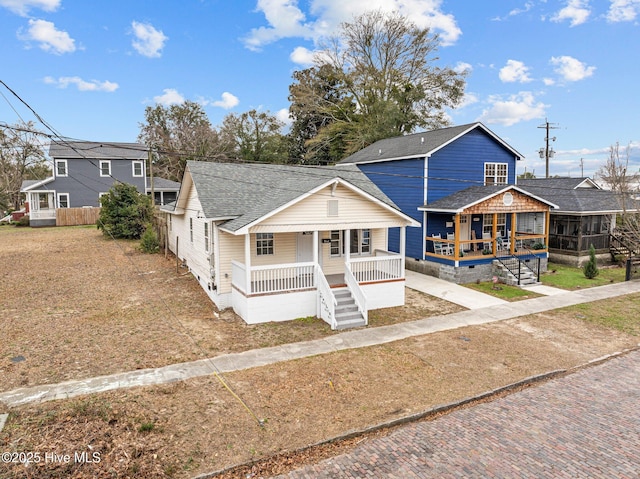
[(83, 171), (585, 216)]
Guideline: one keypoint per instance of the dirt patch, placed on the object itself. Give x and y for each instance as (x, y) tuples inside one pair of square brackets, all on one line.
[(197, 426), (75, 304)]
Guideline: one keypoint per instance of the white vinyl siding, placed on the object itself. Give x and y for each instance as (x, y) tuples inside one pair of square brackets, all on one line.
[(206, 236)]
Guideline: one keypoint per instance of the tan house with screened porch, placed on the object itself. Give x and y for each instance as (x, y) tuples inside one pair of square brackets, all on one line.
[(277, 242)]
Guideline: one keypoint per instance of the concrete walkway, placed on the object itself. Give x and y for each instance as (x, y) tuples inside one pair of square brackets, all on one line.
[(348, 340)]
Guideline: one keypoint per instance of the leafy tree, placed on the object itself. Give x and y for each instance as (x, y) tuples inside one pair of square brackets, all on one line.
[(21, 158), (256, 136), (590, 268), (527, 175), (125, 212), (376, 79), (179, 133)]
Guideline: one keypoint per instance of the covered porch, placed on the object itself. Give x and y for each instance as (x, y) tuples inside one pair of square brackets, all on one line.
[(41, 207), (481, 224), (335, 277)]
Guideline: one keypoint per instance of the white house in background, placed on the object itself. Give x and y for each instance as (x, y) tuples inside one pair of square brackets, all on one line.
[(278, 242)]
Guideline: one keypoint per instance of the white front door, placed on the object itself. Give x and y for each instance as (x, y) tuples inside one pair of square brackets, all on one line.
[(465, 232), (304, 247)]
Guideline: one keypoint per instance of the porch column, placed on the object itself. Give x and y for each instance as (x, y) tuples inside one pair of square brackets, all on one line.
[(247, 261), (547, 223), (494, 234), (512, 239), (456, 237), (347, 246), (315, 247)]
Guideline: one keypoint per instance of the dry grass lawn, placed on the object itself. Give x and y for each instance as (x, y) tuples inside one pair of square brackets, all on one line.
[(183, 429)]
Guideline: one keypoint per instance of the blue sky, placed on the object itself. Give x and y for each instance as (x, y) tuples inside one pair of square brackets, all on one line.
[(90, 68)]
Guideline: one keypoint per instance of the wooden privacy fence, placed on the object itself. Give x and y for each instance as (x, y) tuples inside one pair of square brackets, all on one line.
[(77, 216), (160, 226)]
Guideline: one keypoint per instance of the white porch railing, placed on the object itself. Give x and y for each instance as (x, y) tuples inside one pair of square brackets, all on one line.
[(357, 293), (387, 266), (42, 214), (327, 301), (274, 278)]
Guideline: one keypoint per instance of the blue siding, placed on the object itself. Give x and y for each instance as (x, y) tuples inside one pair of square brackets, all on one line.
[(403, 182), (460, 164)]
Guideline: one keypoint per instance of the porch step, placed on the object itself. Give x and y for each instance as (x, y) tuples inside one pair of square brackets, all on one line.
[(347, 314), (527, 277)]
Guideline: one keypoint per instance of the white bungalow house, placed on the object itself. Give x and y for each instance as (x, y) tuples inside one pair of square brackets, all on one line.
[(278, 242)]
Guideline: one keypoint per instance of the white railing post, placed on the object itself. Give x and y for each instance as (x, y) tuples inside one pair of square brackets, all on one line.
[(327, 302)]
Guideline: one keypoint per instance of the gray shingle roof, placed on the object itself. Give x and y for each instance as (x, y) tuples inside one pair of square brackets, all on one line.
[(246, 192), (474, 194), (571, 199), (92, 149), (163, 184), (416, 145)]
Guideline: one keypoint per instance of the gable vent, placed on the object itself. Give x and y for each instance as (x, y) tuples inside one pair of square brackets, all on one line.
[(332, 207)]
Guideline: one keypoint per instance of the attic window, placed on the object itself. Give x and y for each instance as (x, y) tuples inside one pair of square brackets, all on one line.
[(332, 207)]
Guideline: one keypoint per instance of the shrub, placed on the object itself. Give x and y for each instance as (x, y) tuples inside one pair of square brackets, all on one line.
[(590, 269), (149, 242), (23, 221), (125, 212)]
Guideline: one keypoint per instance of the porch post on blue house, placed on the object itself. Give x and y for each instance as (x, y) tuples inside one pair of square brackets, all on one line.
[(403, 241), (247, 261), (347, 246)]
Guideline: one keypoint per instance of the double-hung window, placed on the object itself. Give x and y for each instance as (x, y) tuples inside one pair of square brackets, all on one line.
[(105, 168), (63, 200), (138, 170), (206, 236), (62, 168), (264, 244), (501, 224), (191, 229), (495, 173)]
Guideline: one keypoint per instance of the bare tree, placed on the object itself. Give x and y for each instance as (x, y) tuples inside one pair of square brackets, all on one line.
[(256, 137), (21, 158)]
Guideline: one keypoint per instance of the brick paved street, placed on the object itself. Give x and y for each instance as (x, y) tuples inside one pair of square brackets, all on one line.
[(584, 425)]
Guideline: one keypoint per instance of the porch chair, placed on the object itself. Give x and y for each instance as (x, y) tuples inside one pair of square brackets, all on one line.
[(441, 248), (486, 245)]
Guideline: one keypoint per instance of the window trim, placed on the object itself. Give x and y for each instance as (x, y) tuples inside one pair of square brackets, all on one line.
[(108, 163), (363, 240), (265, 244), (133, 169), (59, 195), (495, 177), (66, 168)]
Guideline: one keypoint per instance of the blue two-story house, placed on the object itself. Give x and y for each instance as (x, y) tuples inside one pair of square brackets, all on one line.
[(459, 183), (83, 171)]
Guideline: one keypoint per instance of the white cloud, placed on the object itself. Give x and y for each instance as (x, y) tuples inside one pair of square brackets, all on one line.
[(577, 11), (227, 102), (169, 97), (283, 116), (285, 19), (302, 56), (571, 69), (623, 10), (82, 85), (49, 38), (514, 71), (22, 7), (468, 99), (513, 109), (548, 81), (148, 42), (462, 67)]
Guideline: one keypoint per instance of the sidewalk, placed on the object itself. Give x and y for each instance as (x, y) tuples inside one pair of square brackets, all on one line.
[(348, 340)]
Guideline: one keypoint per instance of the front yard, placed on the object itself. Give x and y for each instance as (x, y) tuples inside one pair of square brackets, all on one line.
[(77, 305)]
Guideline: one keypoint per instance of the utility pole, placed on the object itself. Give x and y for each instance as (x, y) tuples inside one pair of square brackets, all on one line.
[(153, 194), (582, 167), (547, 152)]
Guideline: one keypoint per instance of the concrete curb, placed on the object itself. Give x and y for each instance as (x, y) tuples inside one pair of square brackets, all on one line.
[(434, 411)]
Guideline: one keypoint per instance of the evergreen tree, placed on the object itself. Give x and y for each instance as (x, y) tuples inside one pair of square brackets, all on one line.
[(591, 267), (125, 212)]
